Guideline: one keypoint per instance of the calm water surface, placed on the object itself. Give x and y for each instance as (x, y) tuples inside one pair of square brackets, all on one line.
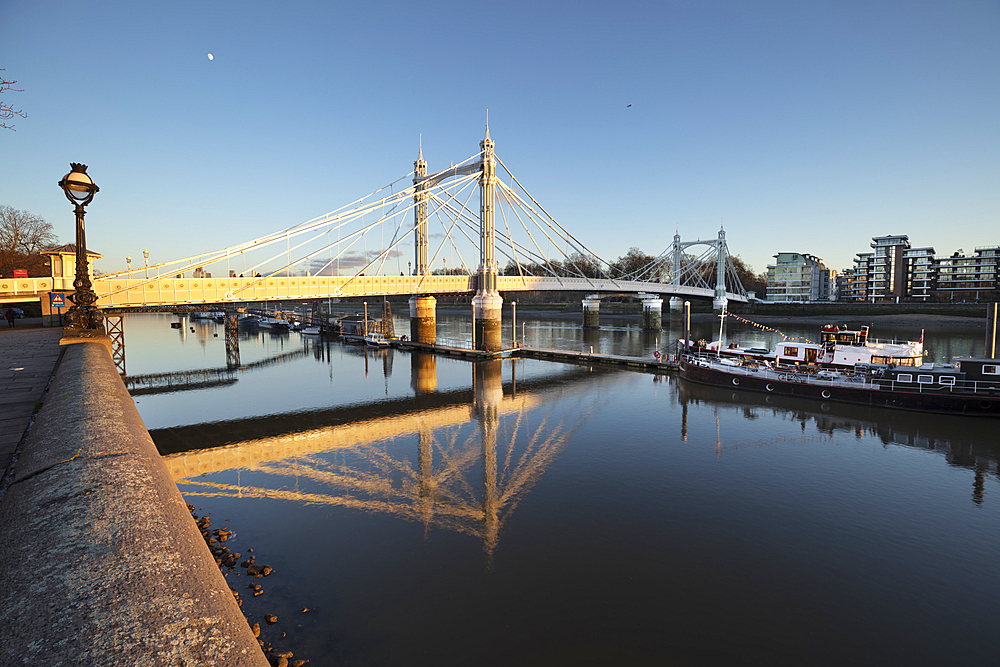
[(429, 511)]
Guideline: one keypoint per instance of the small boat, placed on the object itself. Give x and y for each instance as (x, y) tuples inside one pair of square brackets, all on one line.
[(312, 331), (275, 324), (970, 386), (376, 339), (249, 321)]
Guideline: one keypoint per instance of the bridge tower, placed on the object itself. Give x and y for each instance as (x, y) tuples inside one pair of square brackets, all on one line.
[(420, 214), (423, 309), (487, 302), (720, 301), (676, 303)]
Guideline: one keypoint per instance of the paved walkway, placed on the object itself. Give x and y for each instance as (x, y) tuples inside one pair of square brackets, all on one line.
[(28, 357)]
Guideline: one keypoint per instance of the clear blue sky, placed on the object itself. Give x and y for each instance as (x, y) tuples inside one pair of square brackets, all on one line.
[(805, 126)]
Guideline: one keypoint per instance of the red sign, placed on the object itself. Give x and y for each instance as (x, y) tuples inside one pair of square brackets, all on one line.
[(20, 273)]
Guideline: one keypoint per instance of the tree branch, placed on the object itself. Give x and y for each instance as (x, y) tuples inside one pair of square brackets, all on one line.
[(7, 111)]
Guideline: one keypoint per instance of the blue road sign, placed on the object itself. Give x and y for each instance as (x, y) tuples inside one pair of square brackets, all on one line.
[(58, 299)]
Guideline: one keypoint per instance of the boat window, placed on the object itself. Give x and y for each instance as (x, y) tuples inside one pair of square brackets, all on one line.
[(990, 369), (791, 352), (946, 379), (925, 379), (904, 377), (905, 361)]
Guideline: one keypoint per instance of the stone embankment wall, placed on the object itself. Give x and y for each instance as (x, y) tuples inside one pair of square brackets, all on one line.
[(100, 560)]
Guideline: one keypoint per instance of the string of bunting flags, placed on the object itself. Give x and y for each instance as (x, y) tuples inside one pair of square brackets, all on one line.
[(758, 325)]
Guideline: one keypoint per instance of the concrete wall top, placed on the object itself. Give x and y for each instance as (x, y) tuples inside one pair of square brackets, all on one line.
[(102, 562)]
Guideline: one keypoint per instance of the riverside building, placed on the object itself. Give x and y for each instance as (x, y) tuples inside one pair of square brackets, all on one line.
[(962, 278), (893, 272), (896, 272), (799, 278)]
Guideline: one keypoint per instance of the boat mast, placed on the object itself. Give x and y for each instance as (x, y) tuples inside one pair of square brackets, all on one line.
[(722, 320)]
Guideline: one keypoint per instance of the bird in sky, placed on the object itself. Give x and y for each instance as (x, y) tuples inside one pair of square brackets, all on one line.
[(628, 106)]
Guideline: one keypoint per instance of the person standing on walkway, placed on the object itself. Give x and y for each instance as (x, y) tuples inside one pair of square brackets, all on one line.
[(10, 317)]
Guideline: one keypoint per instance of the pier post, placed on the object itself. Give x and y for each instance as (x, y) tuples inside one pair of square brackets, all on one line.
[(991, 330), (592, 311), (652, 312), (423, 319), (687, 326)]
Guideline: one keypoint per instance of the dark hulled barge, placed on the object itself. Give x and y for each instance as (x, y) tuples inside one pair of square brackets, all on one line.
[(969, 387)]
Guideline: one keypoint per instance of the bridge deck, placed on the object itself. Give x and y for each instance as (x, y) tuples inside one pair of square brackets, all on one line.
[(180, 291)]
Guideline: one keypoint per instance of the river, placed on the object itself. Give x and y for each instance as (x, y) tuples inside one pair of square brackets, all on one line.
[(431, 511)]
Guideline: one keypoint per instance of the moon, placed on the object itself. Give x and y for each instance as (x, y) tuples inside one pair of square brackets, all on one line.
[(211, 57)]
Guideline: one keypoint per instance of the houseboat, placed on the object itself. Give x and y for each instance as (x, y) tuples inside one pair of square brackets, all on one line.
[(970, 386)]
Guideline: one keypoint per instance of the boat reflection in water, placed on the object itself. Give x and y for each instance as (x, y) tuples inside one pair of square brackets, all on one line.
[(964, 442), (458, 460)]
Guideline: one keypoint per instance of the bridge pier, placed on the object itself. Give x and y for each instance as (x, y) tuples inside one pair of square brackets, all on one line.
[(592, 311), (486, 306), (652, 312), (676, 304), (423, 319)]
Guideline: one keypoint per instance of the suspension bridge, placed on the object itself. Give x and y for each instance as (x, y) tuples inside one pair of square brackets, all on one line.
[(356, 251)]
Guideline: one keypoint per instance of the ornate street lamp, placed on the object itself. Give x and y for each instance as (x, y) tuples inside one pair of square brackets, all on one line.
[(145, 257), (128, 262), (80, 190)]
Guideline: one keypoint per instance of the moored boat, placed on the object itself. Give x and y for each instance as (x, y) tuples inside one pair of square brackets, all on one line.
[(376, 339), (969, 387)]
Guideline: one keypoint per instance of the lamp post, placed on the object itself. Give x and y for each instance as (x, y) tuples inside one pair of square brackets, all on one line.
[(145, 257), (128, 263), (80, 190)]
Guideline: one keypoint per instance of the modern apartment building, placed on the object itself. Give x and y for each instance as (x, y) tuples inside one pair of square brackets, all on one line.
[(962, 278), (897, 272), (859, 285), (920, 272), (887, 268), (894, 271), (799, 277)]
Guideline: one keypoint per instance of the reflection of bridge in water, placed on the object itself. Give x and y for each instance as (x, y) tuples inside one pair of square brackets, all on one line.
[(156, 383), (510, 450)]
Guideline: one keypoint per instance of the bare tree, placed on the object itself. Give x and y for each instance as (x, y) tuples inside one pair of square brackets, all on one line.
[(7, 111), (22, 236)]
